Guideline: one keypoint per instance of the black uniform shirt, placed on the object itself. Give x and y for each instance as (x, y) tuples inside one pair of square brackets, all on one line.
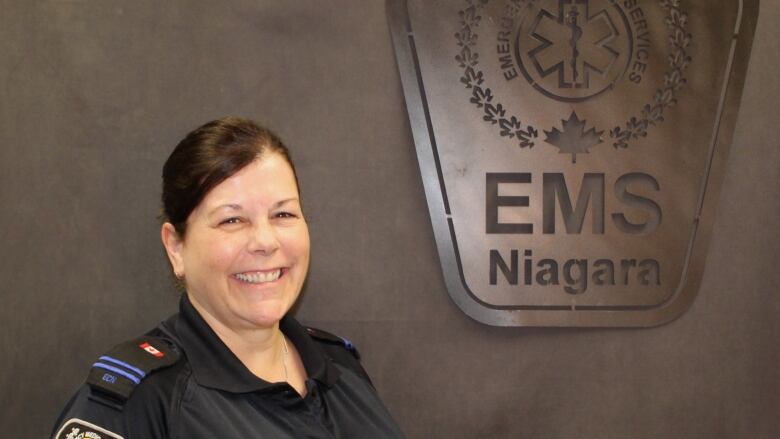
[(209, 393)]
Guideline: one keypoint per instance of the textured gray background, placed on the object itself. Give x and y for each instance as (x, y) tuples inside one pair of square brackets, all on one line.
[(93, 96)]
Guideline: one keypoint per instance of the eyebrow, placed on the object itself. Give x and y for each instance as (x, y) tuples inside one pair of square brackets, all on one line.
[(285, 201), (234, 206)]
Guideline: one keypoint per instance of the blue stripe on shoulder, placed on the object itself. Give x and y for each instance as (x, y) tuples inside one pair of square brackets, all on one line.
[(140, 373)]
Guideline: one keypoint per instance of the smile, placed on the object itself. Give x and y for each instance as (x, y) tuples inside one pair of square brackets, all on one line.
[(259, 277)]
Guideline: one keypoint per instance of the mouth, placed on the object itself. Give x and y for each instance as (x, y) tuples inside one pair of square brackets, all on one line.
[(260, 277)]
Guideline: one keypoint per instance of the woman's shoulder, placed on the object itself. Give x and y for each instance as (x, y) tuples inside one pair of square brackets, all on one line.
[(329, 339), (340, 350), (136, 380)]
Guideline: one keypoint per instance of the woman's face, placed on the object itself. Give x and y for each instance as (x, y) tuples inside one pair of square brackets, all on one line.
[(246, 251)]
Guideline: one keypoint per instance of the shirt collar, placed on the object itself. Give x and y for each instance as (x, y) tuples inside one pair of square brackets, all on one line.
[(214, 365)]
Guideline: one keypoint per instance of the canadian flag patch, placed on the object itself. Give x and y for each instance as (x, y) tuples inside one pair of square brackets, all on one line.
[(151, 349)]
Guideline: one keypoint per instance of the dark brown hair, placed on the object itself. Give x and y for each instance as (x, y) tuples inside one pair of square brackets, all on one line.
[(207, 156)]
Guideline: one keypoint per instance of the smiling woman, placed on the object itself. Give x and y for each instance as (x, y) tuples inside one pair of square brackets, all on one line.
[(232, 363)]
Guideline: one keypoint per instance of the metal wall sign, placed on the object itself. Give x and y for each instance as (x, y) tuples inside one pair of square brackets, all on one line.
[(572, 150)]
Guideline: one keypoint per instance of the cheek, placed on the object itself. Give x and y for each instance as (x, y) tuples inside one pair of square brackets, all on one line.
[(302, 244), (215, 256), (296, 243)]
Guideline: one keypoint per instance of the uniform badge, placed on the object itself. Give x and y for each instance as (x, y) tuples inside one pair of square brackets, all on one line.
[(572, 150), (151, 349), (78, 429), (117, 373)]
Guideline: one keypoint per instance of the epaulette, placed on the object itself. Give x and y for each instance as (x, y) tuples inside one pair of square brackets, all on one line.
[(327, 337), (340, 350), (117, 373)]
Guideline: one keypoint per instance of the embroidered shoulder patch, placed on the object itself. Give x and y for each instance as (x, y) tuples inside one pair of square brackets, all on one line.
[(121, 369), (78, 429)]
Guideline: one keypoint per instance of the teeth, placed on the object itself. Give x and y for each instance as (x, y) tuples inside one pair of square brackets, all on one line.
[(258, 277)]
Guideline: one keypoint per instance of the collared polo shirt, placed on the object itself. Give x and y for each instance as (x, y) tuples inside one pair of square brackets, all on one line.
[(209, 393)]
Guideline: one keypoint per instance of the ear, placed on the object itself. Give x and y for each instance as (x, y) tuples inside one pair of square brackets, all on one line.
[(173, 247)]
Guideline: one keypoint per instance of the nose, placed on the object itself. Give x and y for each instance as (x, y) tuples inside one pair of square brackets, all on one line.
[(263, 239)]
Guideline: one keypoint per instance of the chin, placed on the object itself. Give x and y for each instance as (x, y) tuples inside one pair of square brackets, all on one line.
[(268, 316)]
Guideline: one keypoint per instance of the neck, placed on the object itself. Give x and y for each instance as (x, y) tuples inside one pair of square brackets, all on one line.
[(260, 349)]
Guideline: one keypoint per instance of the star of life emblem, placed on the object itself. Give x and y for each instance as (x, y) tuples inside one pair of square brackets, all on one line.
[(573, 50), (572, 150)]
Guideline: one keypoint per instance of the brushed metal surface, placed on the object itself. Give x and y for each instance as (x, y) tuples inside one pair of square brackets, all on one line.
[(572, 151)]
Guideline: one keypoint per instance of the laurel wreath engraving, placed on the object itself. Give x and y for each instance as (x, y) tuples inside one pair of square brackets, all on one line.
[(473, 78), (679, 59), (511, 126)]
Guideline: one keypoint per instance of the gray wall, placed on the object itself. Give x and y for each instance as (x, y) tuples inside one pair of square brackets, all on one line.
[(93, 96)]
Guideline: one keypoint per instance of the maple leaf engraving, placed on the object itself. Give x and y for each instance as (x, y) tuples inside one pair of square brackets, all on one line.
[(573, 139)]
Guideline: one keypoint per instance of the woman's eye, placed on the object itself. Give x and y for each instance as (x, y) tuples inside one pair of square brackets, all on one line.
[(233, 220), (285, 215)]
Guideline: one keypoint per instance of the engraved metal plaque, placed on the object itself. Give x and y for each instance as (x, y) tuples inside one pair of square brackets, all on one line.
[(572, 150)]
